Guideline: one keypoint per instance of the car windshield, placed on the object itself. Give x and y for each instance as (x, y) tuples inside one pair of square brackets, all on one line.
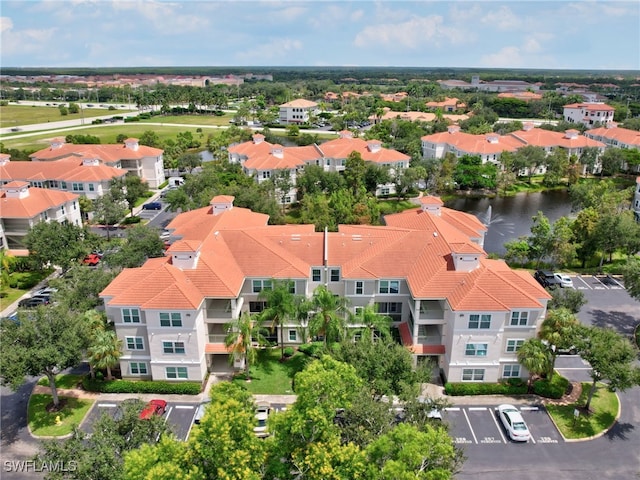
[(519, 426)]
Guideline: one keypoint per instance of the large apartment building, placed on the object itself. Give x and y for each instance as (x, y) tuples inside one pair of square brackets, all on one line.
[(297, 111), (589, 114), (426, 269), (140, 160)]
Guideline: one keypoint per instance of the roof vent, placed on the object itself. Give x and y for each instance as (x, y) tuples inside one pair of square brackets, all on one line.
[(356, 238), (295, 237), (435, 234)]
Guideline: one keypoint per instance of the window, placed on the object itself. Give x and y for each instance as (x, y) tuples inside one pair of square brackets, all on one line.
[(514, 345), (138, 368), (479, 321), (62, 210), (476, 349), (335, 275), (173, 319), (315, 274), (391, 309), (472, 374), (257, 307), (77, 187), (134, 343), (266, 174), (63, 185), (389, 286), (510, 371), (92, 188), (359, 288), (293, 336), (519, 319), (259, 285), (176, 372), (292, 287), (173, 347), (130, 315)]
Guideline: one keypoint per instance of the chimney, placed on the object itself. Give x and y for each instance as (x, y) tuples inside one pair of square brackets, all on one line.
[(4, 159), (571, 134), (56, 143), (431, 204), (453, 128), (221, 203), (16, 189), (258, 138), (90, 162), (132, 144), (185, 254), (611, 125), (346, 134), (277, 151), (374, 145), (527, 126), (492, 137)]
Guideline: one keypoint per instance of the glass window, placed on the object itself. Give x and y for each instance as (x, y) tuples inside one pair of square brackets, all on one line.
[(510, 371), (519, 319), (257, 307), (389, 286), (134, 343), (259, 285), (293, 336), (91, 188), (476, 349), (315, 275), (173, 347), (173, 319), (130, 315), (472, 374), (138, 368), (335, 275), (176, 372), (514, 345), (479, 321), (359, 288)]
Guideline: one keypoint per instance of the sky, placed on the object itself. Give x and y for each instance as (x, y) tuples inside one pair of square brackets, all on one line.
[(552, 34)]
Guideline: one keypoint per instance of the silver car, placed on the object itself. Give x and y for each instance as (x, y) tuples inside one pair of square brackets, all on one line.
[(513, 423)]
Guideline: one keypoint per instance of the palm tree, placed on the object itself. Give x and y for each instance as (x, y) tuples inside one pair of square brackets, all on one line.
[(280, 307), (535, 356), (304, 306), (328, 318), (373, 322), (105, 350), (558, 330), (94, 322), (243, 335)]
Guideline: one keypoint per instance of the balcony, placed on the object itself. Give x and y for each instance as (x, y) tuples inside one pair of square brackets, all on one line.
[(431, 310), (216, 338), (219, 310)]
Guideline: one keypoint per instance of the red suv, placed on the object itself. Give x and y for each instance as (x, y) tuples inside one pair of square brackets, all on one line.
[(154, 407), (92, 260)]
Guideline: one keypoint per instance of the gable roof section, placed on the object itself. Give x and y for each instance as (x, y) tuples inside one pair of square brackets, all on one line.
[(38, 201), (540, 137), (67, 169), (342, 148), (622, 135), (108, 153), (291, 157), (299, 103), (474, 144)]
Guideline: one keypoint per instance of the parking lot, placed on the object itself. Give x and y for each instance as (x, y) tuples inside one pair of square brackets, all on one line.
[(597, 282), (179, 416), (479, 425)]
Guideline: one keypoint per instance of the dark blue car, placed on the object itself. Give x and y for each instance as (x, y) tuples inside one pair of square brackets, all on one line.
[(152, 206)]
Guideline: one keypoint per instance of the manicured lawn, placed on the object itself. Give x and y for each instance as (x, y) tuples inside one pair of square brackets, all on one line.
[(43, 423), (63, 380), (16, 115), (392, 206), (9, 295), (604, 408), (270, 376), (197, 120)]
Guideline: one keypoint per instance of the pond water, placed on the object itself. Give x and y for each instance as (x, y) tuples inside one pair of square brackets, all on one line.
[(510, 217)]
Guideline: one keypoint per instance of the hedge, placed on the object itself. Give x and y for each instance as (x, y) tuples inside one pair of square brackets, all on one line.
[(128, 386), (513, 386), (554, 389), (314, 349)]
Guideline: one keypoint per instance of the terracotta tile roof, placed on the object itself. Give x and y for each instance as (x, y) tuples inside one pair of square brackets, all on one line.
[(299, 103), (622, 135), (342, 147), (66, 169), (38, 201), (447, 102), (431, 200), (247, 149), (108, 153), (288, 158), (591, 106), (474, 144), (540, 137)]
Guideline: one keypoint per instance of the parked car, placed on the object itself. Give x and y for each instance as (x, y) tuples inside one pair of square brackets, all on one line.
[(91, 260), (152, 206), (154, 407), (564, 280), (513, 423), (546, 279), (202, 408), (45, 292), (262, 415), (32, 302)]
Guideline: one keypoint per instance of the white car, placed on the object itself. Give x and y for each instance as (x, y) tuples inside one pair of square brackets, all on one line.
[(202, 408), (513, 423), (564, 280), (262, 415)]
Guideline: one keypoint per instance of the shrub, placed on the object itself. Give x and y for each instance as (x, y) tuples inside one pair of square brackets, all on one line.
[(288, 352), (314, 349), (128, 386), (512, 386), (130, 220), (555, 388)]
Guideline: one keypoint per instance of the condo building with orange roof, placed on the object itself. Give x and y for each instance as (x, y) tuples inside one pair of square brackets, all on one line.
[(589, 114), (22, 206), (297, 111), (139, 160), (426, 269)]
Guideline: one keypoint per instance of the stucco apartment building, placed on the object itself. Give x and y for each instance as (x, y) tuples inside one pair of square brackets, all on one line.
[(589, 114), (22, 206), (140, 160), (297, 111), (426, 269), (491, 145), (263, 160)]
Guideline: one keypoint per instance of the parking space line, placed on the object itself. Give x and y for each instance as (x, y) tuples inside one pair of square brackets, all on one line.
[(470, 427), (499, 427), (477, 409), (529, 409), (586, 285), (107, 405), (166, 417), (191, 425), (603, 287), (185, 407), (452, 409)]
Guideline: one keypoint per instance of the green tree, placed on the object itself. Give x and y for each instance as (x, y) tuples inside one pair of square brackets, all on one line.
[(354, 173), (315, 210), (104, 350), (559, 330), (471, 173), (142, 243), (328, 320), (130, 188), (517, 251), (43, 341), (612, 160), (80, 288), (568, 298), (108, 210), (557, 167), (374, 324), (150, 139), (280, 307), (74, 108), (535, 356), (540, 241), (243, 335), (529, 158), (611, 357), (56, 244), (631, 277)]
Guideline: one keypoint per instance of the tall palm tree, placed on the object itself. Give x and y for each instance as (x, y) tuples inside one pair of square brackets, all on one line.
[(328, 319), (94, 322), (105, 350), (373, 322), (280, 307), (243, 335), (559, 330), (535, 356), (304, 307)]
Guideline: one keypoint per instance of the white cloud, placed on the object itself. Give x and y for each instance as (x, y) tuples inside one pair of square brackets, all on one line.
[(332, 16), (502, 19), (163, 16), (414, 33), (24, 42), (507, 57), (5, 24), (278, 48)]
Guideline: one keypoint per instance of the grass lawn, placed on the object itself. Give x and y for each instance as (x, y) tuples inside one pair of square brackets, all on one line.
[(393, 205), (16, 115), (43, 423), (9, 295), (604, 408), (270, 376), (63, 380), (197, 120)]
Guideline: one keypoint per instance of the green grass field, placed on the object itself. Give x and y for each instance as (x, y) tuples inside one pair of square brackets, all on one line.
[(43, 423), (63, 380), (270, 376), (16, 115)]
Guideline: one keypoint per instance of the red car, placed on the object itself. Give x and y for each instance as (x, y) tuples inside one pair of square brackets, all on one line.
[(92, 260), (154, 407)]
